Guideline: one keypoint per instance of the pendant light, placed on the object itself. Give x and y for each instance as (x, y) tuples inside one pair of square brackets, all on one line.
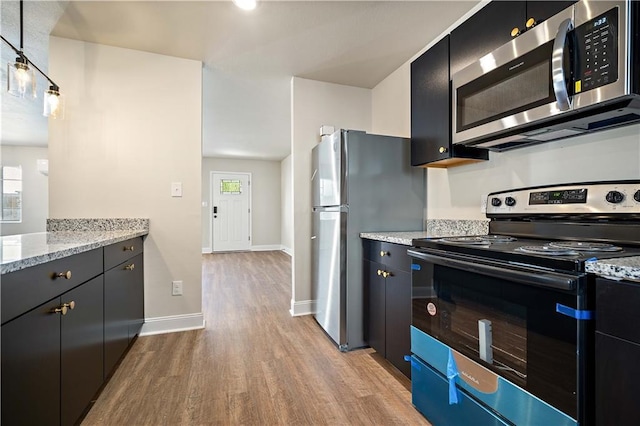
[(21, 81)]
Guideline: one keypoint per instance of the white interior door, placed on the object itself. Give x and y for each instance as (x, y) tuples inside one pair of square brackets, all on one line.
[(230, 211)]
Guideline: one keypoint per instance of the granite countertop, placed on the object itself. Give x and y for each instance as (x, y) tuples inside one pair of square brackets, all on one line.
[(436, 228), (66, 237), (622, 268)]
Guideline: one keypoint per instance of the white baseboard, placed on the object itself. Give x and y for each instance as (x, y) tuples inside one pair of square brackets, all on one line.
[(287, 250), (266, 247), (303, 307), (172, 324), (207, 250)]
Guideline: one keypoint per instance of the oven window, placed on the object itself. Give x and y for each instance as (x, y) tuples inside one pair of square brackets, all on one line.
[(522, 84), (531, 345)]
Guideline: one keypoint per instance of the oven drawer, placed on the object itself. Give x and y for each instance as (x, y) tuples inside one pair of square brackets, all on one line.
[(511, 401), (430, 395), (389, 254)]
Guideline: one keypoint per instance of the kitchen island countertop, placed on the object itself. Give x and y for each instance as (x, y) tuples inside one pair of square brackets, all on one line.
[(25, 250), (626, 268)]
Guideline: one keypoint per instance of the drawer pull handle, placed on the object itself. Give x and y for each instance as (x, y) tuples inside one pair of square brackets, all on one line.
[(64, 308), (385, 274), (130, 267), (128, 248), (384, 253), (65, 275)]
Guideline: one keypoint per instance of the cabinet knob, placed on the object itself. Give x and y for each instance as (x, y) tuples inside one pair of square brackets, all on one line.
[(384, 253), (130, 267), (379, 271), (386, 274), (530, 23), (515, 32), (443, 149), (129, 248), (64, 308), (65, 275)]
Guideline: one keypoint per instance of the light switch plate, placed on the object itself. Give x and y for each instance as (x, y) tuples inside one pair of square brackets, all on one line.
[(176, 189)]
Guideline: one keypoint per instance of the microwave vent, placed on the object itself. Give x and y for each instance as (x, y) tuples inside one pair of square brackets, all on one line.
[(552, 134)]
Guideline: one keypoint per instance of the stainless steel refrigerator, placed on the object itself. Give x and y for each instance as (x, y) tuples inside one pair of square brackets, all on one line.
[(360, 183)]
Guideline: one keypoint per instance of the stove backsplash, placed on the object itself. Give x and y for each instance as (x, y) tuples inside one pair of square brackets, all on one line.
[(454, 227)]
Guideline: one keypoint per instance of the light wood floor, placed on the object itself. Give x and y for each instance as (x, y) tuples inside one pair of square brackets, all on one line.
[(254, 364)]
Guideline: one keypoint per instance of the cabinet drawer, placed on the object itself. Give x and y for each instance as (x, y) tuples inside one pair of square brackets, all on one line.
[(389, 254), (117, 253), (25, 289)]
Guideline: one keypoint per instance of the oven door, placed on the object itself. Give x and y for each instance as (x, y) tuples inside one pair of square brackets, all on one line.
[(523, 81), (527, 325)]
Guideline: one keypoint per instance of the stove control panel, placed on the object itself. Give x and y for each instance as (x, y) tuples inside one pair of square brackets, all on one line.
[(589, 198)]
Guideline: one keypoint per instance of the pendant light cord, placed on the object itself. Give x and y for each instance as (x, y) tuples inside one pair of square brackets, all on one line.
[(22, 55), (21, 27)]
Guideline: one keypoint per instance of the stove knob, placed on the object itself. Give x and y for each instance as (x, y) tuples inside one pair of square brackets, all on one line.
[(510, 201), (636, 196), (495, 202), (615, 197)]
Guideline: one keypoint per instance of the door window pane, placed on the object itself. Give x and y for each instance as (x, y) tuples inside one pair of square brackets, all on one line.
[(230, 187)]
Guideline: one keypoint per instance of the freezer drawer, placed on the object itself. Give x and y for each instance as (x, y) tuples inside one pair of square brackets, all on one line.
[(329, 272)]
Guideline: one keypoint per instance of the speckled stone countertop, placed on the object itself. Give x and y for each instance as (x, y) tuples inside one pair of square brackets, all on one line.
[(435, 228), (67, 237), (622, 268)]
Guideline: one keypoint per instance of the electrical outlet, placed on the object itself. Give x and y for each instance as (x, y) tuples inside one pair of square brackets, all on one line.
[(176, 288)]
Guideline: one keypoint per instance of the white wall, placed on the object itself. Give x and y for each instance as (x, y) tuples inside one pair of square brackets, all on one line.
[(132, 127), (315, 103), (286, 209), (265, 199), (455, 193), (35, 192)]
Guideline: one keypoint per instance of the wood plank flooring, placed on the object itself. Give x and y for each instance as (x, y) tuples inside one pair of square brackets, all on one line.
[(254, 364)]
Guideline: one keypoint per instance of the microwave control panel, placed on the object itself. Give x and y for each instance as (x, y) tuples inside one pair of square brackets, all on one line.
[(596, 52)]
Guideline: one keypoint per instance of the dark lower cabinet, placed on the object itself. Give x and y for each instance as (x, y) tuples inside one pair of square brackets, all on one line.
[(31, 367), (387, 289), (57, 352), (617, 351), (81, 349), (123, 309), (52, 363)]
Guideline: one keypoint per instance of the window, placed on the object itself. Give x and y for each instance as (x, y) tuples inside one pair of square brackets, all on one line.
[(230, 187), (11, 181)]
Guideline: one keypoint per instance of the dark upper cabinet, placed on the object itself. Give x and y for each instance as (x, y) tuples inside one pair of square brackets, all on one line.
[(485, 31), (431, 112), (542, 10)]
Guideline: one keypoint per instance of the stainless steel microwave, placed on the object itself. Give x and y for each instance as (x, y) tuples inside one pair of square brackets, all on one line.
[(576, 72)]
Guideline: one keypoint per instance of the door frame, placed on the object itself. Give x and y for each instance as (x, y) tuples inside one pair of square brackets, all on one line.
[(210, 210)]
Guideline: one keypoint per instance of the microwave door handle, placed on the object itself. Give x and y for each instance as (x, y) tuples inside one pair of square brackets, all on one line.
[(557, 69)]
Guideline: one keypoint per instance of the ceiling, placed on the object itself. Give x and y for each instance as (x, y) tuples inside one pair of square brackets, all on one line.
[(250, 57)]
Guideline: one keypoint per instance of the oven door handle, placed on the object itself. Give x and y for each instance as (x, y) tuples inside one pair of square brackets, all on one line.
[(519, 274)]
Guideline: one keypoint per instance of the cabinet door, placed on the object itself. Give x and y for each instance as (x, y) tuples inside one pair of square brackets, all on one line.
[(374, 286), (31, 368), (116, 315), (430, 105), (81, 349), (398, 316), (617, 385), (542, 10), (485, 31), (136, 296)]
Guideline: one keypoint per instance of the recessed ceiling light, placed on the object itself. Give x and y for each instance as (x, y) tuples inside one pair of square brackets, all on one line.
[(246, 4)]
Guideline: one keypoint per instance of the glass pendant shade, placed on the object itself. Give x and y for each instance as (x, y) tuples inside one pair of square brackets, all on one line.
[(53, 103), (21, 80)]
